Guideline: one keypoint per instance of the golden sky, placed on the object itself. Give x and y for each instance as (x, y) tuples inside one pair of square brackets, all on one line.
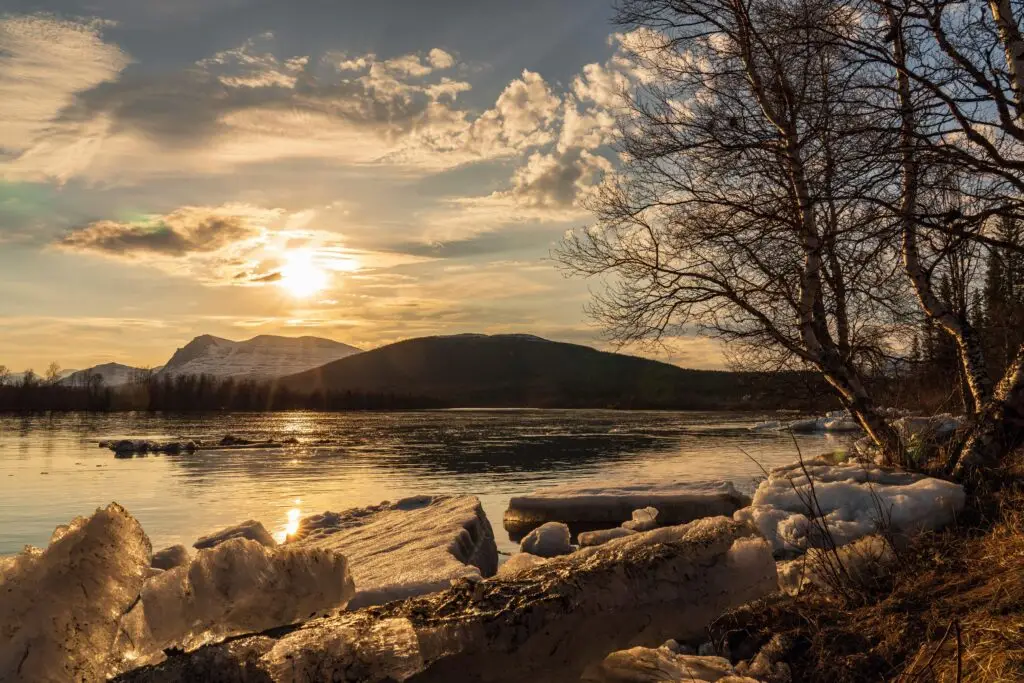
[(366, 172)]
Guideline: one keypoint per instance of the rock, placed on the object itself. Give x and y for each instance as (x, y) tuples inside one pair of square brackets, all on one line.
[(548, 540), (59, 607), (169, 558), (592, 538), (593, 505), (250, 529), (415, 546), (643, 520), (546, 625)]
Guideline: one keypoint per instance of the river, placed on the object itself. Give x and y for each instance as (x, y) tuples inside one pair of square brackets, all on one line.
[(52, 470)]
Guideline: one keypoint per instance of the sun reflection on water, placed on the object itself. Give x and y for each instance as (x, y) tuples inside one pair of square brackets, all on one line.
[(292, 525)]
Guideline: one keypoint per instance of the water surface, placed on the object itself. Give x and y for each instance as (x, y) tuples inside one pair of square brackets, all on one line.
[(52, 470)]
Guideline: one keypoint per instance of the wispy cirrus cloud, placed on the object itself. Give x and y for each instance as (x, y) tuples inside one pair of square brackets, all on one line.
[(44, 61)]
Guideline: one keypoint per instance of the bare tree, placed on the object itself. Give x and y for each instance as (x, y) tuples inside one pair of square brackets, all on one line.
[(747, 205), (954, 71), (5, 375), (53, 373)]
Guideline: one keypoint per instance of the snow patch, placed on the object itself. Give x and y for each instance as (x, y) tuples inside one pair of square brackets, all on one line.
[(859, 562), (853, 500)]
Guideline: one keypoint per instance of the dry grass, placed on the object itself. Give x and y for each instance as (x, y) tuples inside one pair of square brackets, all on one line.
[(951, 610)]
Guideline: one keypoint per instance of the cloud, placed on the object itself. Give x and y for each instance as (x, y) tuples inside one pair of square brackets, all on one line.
[(44, 61), (558, 180), (247, 106), (439, 59), (188, 230), (233, 244)]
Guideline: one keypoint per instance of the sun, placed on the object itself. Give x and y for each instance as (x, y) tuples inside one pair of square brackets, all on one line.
[(301, 277)]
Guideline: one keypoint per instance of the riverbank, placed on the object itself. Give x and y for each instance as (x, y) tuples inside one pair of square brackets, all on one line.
[(689, 578), (950, 608)]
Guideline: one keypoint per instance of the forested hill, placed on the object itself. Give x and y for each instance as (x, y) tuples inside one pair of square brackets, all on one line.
[(527, 371)]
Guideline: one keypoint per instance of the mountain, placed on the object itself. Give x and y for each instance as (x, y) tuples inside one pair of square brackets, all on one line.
[(113, 374), (262, 357), (520, 371)]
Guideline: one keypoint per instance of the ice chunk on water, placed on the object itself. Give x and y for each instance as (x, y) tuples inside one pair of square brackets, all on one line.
[(592, 538), (59, 607), (548, 540), (239, 586), (250, 529), (169, 558), (643, 520), (836, 421), (415, 546), (854, 500), (587, 504)]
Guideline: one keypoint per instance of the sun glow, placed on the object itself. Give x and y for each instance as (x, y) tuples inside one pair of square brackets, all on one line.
[(301, 277), (292, 526)]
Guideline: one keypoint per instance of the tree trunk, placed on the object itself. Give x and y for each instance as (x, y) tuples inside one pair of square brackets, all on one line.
[(1013, 47), (998, 428)]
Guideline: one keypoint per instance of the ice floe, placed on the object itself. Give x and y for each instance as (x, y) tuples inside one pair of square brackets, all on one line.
[(835, 421), (59, 607), (857, 563), (546, 624), (249, 529), (517, 564), (643, 520), (548, 540), (414, 546), (169, 558), (662, 664), (591, 538), (238, 586), (853, 500), (588, 504)]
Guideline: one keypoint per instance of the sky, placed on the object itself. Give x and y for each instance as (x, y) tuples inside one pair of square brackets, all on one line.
[(366, 172)]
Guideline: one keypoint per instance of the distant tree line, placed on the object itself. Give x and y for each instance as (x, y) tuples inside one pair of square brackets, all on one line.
[(181, 393), (32, 392)]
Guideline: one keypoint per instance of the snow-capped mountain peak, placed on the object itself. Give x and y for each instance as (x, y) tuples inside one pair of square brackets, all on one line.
[(262, 357), (111, 374)]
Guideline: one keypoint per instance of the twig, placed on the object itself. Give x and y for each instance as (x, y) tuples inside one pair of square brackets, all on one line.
[(959, 654), (935, 652)]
